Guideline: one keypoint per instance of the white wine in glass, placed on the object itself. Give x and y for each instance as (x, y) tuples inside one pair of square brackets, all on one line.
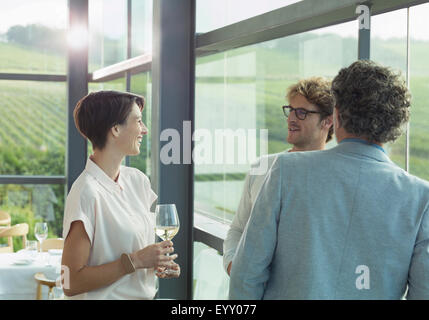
[(166, 233), (167, 225)]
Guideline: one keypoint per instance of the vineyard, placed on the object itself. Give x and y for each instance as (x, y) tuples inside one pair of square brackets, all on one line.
[(32, 116)]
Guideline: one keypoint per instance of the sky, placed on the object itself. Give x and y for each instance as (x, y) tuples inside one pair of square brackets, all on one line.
[(47, 12), (53, 13)]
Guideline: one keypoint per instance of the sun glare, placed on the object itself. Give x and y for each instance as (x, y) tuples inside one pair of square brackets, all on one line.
[(77, 38)]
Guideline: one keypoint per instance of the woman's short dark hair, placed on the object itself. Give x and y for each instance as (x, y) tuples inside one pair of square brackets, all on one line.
[(96, 113), (372, 101)]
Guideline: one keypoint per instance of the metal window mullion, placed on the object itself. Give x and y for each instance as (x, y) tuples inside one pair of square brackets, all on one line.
[(33, 77), (77, 87), (407, 132), (364, 40), (173, 90), (128, 73), (129, 42), (14, 179), (141, 63)]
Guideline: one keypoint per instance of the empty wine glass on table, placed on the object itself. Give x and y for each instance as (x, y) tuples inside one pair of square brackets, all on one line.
[(41, 232), (167, 226)]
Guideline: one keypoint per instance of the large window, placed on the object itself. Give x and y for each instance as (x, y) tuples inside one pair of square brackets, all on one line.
[(32, 128), (243, 90), (141, 27), (142, 84), (108, 33), (33, 36), (31, 203), (389, 48), (33, 113), (210, 281), (419, 85)]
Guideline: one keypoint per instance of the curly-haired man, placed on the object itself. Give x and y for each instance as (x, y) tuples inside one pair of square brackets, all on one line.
[(343, 223)]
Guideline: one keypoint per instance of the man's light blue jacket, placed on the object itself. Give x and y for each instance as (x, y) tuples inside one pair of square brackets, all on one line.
[(344, 223)]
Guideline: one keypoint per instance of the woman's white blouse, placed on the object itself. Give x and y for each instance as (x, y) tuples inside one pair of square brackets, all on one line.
[(117, 219)]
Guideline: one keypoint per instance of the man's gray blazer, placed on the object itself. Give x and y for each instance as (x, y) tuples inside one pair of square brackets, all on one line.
[(344, 223)]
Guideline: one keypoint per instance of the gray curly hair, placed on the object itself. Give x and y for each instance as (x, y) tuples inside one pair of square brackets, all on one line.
[(372, 101)]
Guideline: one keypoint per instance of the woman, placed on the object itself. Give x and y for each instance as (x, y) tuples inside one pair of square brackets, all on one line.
[(109, 250)]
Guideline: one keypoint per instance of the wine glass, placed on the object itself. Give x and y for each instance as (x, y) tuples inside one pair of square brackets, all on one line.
[(41, 232), (31, 248), (167, 226)]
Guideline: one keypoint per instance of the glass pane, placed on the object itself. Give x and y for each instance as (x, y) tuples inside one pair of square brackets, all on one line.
[(217, 14), (244, 89), (117, 85), (33, 36), (32, 128), (210, 279), (108, 33), (419, 85), (142, 84), (389, 48), (33, 203), (141, 27)]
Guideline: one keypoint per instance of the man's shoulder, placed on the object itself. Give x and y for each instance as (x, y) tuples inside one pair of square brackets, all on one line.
[(270, 158), (300, 156), (412, 179)]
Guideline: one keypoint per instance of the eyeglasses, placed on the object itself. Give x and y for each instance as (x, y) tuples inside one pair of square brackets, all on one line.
[(300, 113)]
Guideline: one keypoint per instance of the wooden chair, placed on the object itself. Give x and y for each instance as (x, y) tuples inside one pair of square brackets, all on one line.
[(13, 231), (53, 243), (41, 279), (5, 219)]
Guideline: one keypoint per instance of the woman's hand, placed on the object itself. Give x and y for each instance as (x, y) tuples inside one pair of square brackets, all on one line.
[(154, 255), (174, 271)]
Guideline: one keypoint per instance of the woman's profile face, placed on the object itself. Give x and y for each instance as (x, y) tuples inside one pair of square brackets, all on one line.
[(132, 132)]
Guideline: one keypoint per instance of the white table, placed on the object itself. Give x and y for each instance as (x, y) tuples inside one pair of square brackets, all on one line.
[(17, 281)]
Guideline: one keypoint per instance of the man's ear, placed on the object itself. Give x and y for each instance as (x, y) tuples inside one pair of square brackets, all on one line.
[(327, 122)]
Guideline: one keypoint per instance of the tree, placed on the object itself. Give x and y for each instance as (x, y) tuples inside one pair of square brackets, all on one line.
[(38, 36)]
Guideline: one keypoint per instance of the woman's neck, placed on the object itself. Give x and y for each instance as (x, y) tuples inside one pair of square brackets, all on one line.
[(108, 161)]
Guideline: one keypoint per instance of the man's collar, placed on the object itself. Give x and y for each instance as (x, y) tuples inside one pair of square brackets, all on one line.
[(362, 149), (364, 142)]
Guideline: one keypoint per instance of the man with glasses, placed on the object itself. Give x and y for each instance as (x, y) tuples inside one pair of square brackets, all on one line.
[(309, 119), (343, 223)]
